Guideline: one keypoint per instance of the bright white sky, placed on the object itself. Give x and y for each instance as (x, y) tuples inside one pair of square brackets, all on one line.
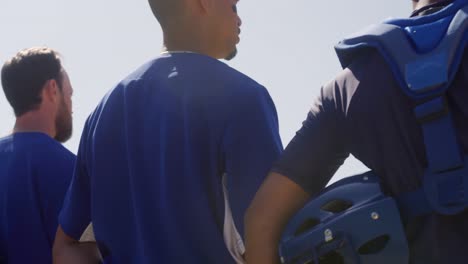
[(285, 45)]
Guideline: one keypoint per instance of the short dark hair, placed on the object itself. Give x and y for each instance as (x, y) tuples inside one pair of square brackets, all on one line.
[(24, 76)]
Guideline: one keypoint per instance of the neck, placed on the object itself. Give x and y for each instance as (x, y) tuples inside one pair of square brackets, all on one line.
[(35, 121), (186, 44), (181, 42), (188, 38)]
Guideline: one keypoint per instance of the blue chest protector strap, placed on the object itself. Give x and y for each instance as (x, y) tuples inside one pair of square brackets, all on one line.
[(424, 54)]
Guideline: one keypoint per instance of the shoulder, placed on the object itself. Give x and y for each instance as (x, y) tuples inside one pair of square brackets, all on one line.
[(237, 85), (371, 66), (187, 69), (209, 69), (47, 148), (40, 152), (367, 78), (6, 142)]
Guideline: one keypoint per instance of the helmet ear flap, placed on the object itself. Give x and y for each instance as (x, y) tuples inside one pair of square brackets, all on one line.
[(333, 206), (337, 206), (332, 258), (374, 246), (351, 221), (307, 225)]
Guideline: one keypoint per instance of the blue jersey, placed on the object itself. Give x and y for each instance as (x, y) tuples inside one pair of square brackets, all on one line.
[(170, 160), (35, 171)]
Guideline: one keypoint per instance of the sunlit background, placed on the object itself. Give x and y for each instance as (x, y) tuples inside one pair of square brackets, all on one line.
[(285, 45)]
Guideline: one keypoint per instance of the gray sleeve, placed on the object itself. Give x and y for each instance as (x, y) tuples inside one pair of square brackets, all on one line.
[(319, 147)]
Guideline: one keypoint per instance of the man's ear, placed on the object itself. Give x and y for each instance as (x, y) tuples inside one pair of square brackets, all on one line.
[(50, 91)]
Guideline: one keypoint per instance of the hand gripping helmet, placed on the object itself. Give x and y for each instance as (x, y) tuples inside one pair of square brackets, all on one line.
[(352, 221)]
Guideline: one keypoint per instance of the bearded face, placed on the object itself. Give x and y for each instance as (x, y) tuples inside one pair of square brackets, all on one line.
[(231, 55), (63, 122)]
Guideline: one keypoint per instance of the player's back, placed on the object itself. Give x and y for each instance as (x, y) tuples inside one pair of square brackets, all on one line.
[(156, 160), (35, 171), (383, 132)]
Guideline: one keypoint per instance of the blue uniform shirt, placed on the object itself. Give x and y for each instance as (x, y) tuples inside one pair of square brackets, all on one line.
[(169, 158), (35, 171)]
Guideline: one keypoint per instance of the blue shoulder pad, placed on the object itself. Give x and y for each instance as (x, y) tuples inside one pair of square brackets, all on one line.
[(424, 53)]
